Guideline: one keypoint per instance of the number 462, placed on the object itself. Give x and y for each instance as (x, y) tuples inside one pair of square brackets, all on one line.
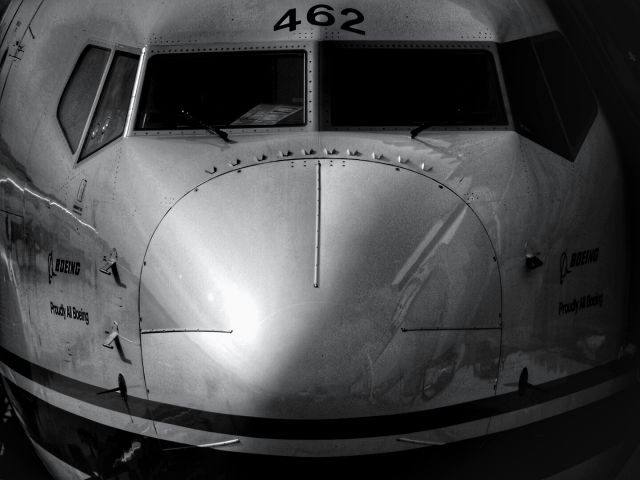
[(321, 16)]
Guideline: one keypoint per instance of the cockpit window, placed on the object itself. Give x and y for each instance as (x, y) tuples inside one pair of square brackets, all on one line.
[(223, 89), (413, 86), (111, 112), (551, 100), (79, 94)]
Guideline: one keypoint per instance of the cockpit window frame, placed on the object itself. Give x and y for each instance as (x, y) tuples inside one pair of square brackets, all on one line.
[(113, 49), (94, 45), (562, 138), (287, 47), (491, 47)]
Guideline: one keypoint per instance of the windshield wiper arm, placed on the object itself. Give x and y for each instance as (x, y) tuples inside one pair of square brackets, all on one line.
[(450, 118), (213, 129), (423, 126)]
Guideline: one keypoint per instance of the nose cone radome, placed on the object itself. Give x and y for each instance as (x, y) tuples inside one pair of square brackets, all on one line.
[(405, 272)]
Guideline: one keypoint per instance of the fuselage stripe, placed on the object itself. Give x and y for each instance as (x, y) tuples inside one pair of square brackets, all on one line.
[(92, 447), (317, 429)]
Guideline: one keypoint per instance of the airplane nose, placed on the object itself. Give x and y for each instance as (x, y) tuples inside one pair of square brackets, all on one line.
[(320, 289)]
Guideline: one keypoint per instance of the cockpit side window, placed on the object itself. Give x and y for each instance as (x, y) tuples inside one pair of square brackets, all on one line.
[(551, 101), (79, 94), (110, 117), (569, 87)]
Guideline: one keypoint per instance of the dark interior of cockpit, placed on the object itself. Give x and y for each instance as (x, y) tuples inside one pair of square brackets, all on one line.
[(362, 86), (378, 86), (231, 89)]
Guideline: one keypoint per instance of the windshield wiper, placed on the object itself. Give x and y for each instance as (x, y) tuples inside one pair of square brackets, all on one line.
[(423, 126), (213, 129), (453, 118)]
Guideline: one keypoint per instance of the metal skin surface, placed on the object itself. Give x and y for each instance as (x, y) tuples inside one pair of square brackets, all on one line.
[(386, 236), (424, 314)]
